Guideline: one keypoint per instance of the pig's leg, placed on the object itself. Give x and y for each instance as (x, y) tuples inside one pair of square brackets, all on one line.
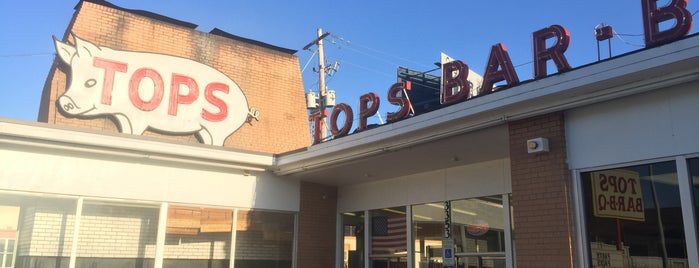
[(124, 123), (130, 127), (205, 136)]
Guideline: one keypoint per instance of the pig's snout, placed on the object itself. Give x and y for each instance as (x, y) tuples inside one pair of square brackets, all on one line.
[(68, 105)]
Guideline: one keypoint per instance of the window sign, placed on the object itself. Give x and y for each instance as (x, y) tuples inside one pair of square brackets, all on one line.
[(633, 217), (617, 194)]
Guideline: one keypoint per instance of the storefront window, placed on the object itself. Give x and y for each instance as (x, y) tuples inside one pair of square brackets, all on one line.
[(36, 231), (478, 226), (353, 245), (694, 177), (428, 233), (117, 235), (633, 217), (197, 237), (388, 238), (264, 239)]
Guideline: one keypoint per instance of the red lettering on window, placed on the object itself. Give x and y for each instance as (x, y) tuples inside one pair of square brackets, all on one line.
[(110, 67)]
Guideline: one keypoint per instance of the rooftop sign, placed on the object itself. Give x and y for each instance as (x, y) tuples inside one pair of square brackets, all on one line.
[(455, 87), (146, 90)]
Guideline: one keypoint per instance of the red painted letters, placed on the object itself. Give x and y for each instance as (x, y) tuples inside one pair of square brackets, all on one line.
[(220, 104), (367, 111), (317, 119), (349, 117), (499, 68), (158, 89), (555, 52), (110, 67), (653, 16), (398, 95), (176, 96), (455, 87)]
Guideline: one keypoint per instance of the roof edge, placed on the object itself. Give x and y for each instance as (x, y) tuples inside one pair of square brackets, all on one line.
[(143, 13), (222, 33)]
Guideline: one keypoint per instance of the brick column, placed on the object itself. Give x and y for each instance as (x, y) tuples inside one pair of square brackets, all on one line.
[(540, 194), (317, 219)]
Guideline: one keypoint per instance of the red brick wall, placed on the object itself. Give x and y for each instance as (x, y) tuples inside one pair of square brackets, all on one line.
[(540, 194), (269, 78), (317, 216)]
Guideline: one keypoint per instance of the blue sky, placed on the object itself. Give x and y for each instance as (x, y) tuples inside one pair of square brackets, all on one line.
[(369, 40)]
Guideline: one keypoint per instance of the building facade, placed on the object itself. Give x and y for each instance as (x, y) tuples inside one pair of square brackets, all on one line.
[(593, 166)]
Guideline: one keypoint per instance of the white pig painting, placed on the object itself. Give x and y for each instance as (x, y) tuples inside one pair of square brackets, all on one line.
[(145, 90)]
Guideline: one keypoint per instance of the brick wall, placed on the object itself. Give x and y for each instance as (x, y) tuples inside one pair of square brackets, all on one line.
[(540, 194), (126, 232), (316, 227), (118, 232), (46, 230), (270, 78)]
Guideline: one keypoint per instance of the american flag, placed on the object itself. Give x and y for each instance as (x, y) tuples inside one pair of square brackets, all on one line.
[(388, 234)]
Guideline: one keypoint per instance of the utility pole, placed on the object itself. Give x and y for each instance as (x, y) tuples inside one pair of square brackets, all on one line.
[(321, 83), (321, 80)]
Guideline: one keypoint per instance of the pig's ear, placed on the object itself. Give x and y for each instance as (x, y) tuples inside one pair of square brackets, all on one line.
[(84, 48), (65, 51)]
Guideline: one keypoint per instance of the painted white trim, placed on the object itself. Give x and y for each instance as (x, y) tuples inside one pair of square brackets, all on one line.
[(410, 243), (234, 237), (160, 237), (367, 238), (580, 228), (684, 182), (507, 214), (38, 135), (339, 241), (76, 232)]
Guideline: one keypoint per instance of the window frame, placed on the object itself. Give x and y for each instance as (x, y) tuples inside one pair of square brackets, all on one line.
[(686, 197)]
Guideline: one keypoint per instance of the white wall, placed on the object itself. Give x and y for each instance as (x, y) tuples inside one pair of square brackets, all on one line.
[(73, 173), (480, 179), (657, 124)]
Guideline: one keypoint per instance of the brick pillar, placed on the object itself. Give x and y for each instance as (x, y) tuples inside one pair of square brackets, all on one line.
[(317, 220), (540, 194)]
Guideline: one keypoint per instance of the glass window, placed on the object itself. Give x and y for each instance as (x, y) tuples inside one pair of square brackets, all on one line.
[(388, 237), (478, 226), (117, 235), (428, 233), (197, 237), (264, 239), (41, 230), (353, 245), (693, 165), (633, 217)]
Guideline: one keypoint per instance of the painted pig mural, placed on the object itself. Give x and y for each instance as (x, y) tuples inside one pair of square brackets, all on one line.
[(145, 90)]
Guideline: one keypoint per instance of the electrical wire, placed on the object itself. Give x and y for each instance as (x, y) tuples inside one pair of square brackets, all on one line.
[(26, 55), (627, 42), (351, 45), (309, 60)]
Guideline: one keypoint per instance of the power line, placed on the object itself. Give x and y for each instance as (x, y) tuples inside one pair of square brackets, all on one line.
[(351, 46), (26, 55)]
